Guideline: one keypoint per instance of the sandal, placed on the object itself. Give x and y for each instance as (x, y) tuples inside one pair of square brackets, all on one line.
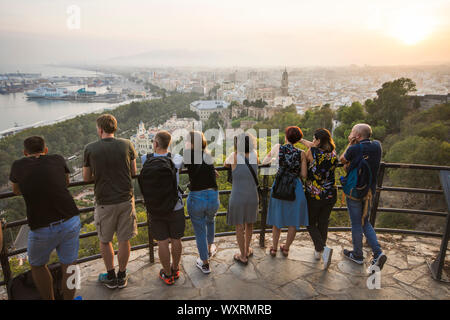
[(273, 252), (175, 273), (284, 251), (250, 252), (237, 258)]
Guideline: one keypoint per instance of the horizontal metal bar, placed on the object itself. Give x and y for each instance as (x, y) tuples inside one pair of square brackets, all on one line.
[(82, 236), (98, 256), (412, 190), (412, 211), (415, 166), (9, 194)]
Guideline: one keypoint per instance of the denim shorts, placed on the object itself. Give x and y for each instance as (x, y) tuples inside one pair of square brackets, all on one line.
[(64, 237)]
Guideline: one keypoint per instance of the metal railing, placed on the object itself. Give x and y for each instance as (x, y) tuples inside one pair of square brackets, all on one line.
[(264, 200)]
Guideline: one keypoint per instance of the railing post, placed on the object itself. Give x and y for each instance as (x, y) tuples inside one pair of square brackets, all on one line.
[(436, 267), (6, 268), (376, 199), (265, 199), (151, 249)]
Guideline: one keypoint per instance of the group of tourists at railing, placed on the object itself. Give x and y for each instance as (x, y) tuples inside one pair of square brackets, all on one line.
[(110, 163)]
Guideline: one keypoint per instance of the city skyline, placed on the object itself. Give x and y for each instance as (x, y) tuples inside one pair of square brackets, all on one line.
[(226, 34)]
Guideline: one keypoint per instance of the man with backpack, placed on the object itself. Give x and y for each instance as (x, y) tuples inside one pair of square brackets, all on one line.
[(52, 214), (111, 163), (362, 161), (158, 181)]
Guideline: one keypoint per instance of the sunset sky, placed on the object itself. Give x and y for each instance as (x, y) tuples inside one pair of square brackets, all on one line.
[(227, 33)]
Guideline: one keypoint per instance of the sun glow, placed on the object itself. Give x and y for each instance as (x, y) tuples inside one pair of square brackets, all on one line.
[(411, 28)]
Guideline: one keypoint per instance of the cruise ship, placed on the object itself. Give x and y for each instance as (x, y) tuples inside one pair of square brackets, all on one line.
[(49, 93)]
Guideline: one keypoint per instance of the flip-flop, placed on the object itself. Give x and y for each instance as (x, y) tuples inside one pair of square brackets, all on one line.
[(239, 260), (284, 251), (273, 252)]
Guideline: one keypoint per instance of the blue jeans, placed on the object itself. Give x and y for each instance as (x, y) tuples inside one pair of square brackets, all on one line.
[(64, 237), (355, 209), (202, 207)]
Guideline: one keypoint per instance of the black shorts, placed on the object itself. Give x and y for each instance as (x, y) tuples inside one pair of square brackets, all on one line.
[(171, 225)]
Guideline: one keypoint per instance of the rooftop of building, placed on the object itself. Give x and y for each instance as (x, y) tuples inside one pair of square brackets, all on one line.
[(209, 104)]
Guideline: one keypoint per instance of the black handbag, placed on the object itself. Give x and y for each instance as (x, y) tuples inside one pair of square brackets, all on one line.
[(284, 187)]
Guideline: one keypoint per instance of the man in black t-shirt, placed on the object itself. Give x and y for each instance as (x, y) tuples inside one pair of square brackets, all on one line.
[(52, 214)]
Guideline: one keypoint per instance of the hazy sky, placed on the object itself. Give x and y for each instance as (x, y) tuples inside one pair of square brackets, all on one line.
[(226, 33)]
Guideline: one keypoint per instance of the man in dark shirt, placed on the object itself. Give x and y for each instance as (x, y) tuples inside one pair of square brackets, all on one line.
[(52, 214), (111, 162), (371, 150)]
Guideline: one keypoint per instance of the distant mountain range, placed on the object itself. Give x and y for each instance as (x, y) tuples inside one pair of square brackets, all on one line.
[(178, 57)]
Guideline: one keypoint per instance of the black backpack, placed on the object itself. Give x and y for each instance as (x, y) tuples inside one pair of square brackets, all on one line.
[(22, 287), (158, 184)]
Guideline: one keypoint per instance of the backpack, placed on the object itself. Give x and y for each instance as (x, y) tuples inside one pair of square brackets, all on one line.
[(22, 287), (158, 184), (356, 184)]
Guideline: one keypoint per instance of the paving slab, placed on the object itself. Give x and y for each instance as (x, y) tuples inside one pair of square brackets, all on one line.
[(299, 276)]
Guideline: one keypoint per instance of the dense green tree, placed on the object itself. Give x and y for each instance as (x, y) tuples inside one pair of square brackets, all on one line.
[(391, 104)]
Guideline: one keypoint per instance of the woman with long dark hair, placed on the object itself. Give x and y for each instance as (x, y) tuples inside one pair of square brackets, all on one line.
[(320, 190), (286, 213)]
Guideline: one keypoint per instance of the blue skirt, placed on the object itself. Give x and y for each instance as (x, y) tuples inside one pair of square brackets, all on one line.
[(285, 213)]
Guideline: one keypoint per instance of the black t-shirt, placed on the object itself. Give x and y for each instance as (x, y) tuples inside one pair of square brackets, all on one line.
[(110, 161), (371, 149), (201, 176), (42, 182)]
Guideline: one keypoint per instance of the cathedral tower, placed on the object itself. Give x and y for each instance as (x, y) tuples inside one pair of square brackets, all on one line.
[(284, 84)]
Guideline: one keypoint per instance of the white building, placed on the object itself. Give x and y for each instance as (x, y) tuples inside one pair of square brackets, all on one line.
[(283, 101), (142, 140), (204, 108), (175, 123)]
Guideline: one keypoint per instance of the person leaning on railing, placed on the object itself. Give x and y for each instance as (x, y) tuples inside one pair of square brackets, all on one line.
[(320, 190), (52, 214), (167, 217), (203, 199), (244, 199), (286, 213), (359, 141), (111, 163)]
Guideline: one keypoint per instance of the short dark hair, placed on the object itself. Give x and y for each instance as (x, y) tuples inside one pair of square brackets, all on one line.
[(107, 123), (244, 142), (34, 144), (293, 134), (163, 138)]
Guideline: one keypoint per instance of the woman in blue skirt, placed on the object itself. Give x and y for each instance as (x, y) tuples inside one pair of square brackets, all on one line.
[(285, 213)]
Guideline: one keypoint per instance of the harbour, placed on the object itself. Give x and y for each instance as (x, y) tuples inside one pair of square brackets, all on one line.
[(20, 110)]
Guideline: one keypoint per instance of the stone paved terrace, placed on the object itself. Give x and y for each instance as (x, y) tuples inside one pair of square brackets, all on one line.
[(405, 275)]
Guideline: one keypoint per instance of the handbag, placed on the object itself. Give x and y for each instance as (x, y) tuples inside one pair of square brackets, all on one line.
[(284, 187)]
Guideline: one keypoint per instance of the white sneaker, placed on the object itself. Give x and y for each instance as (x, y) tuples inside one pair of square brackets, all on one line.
[(203, 266), (317, 254), (327, 253)]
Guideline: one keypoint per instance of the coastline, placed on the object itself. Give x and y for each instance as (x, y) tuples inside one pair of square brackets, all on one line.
[(14, 130)]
